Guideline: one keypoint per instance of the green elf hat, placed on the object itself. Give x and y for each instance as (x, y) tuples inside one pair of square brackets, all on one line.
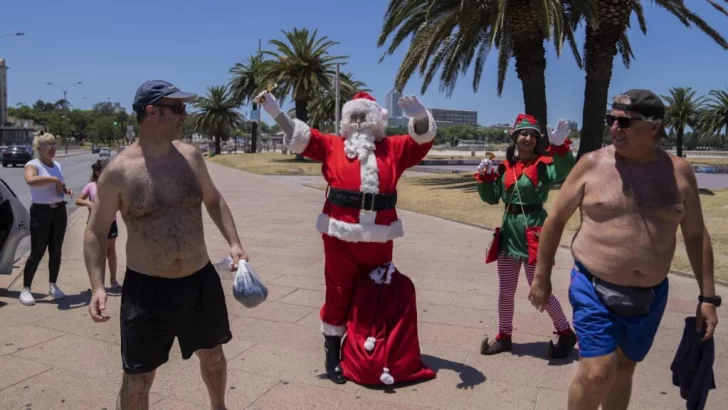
[(525, 122)]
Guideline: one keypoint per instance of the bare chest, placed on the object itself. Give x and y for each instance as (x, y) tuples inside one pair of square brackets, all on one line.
[(651, 195), (159, 192)]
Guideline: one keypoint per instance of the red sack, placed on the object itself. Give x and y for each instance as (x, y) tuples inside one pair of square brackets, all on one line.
[(491, 255), (533, 236), (381, 346)]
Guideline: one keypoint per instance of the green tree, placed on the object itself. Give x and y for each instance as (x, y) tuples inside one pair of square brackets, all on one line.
[(217, 114), (682, 111), (450, 34), (246, 84), (606, 36), (714, 117)]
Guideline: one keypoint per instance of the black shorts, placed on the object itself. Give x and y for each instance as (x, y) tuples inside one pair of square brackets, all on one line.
[(155, 310), (114, 231)]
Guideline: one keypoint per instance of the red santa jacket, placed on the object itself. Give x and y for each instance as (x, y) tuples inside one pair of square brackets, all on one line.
[(392, 156)]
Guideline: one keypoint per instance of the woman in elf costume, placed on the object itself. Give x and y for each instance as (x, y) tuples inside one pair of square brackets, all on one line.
[(522, 182)]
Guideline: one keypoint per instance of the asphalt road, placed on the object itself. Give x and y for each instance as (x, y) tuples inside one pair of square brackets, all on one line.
[(76, 171)]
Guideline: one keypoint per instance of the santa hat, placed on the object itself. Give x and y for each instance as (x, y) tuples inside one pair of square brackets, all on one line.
[(363, 102)]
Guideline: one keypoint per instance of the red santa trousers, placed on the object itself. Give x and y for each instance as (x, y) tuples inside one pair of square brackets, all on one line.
[(345, 264), (382, 346)]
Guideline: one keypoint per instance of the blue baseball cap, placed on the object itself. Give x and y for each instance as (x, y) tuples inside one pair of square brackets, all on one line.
[(153, 91)]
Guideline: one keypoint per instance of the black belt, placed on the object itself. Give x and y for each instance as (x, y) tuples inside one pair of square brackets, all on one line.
[(526, 208), (53, 205), (361, 200)]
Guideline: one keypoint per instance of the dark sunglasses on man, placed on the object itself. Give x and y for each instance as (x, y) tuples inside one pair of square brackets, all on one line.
[(175, 108), (623, 122)]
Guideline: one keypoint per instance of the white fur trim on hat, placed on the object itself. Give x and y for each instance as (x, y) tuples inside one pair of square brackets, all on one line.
[(300, 137), (376, 116), (353, 232), (427, 136), (386, 378)]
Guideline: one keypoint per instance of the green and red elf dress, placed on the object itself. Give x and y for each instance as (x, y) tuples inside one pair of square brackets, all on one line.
[(524, 187)]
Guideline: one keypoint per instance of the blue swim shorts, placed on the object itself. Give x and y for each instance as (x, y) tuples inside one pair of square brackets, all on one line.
[(600, 331)]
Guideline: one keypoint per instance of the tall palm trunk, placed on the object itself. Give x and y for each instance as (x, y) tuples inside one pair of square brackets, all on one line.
[(254, 133), (531, 66), (301, 114), (679, 140), (600, 48), (217, 143)]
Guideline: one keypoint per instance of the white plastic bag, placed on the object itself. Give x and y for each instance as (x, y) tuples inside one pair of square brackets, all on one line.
[(248, 289)]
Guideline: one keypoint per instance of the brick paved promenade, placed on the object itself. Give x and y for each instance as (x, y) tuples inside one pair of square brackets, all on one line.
[(52, 356)]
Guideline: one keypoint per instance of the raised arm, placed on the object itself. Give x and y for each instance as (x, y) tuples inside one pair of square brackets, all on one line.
[(560, 151), (297, 135), (490, 186), (108, 200)]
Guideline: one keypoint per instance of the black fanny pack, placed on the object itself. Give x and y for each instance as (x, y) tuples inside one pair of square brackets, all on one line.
[(623, 301)]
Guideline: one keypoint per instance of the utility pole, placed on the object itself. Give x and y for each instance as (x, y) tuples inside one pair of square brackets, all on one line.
[(256, 120), (338, 100)]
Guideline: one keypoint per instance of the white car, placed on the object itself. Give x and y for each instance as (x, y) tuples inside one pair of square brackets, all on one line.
[(105, 152)]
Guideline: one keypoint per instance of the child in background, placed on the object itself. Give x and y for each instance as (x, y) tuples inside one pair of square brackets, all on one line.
[(87, 197)]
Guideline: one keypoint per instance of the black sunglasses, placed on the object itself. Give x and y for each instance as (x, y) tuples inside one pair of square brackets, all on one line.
[(623, 122), (175, 108)]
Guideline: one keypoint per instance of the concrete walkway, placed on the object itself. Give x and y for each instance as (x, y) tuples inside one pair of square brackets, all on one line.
[(54, 357)]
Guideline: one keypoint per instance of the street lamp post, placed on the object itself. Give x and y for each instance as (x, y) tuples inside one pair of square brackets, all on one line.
[(65, 102)]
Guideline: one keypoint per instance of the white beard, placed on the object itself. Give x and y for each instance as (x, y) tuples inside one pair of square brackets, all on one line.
[(360, 144)]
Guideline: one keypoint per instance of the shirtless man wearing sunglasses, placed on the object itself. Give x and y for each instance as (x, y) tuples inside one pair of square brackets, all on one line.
[(632, 197), (171, 290)]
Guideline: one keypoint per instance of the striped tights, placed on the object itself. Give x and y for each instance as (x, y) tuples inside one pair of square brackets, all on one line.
[(508, 272)]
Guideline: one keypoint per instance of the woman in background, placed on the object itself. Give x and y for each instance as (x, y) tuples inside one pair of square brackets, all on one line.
[(48, 216)]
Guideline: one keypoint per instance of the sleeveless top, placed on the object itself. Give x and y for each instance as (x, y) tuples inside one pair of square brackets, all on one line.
[(46, 194)]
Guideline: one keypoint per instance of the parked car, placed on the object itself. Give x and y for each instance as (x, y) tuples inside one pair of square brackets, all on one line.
[(14, 227), (105, 152), (95, 149), (17, 154)]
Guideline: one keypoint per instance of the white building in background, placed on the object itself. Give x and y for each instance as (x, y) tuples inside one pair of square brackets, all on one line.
[(3, 92), (391, 104)]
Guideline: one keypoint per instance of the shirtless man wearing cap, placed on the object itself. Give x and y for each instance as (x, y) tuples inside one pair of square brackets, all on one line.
[(170, 288), (633, 196)]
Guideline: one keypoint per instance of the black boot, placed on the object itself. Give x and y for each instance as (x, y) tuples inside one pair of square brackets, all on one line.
[(501, 343), (564, 346), (332, 347)]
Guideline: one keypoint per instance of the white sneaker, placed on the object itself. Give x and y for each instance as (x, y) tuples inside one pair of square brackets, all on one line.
[(55, 292), (26, 297)]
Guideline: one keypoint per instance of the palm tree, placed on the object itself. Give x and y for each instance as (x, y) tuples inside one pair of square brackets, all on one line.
[(715, 115), (217, 115), (682, 111), (301, 67), (449, 34), (606, 35), (245, 84)]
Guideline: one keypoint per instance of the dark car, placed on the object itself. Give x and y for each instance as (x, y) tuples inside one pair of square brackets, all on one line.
[(17, 154)]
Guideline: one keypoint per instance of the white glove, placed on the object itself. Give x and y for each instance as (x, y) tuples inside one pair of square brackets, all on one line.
[(558, 135), (412, 107), (269, 103), (485, 167)]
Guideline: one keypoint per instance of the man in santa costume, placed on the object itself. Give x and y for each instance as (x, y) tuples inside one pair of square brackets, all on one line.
[(359, 221)]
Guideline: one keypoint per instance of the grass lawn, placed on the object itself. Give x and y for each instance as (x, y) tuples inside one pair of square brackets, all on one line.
[(454, 196)]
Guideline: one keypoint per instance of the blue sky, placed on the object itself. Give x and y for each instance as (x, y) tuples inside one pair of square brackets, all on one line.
[(114, 48)]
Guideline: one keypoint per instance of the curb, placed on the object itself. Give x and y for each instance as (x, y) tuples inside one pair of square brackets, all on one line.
[(72, 155), (24, 257)]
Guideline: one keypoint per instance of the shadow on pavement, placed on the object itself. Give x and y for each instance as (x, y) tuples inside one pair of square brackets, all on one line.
[(69, 302), (540, 350)]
